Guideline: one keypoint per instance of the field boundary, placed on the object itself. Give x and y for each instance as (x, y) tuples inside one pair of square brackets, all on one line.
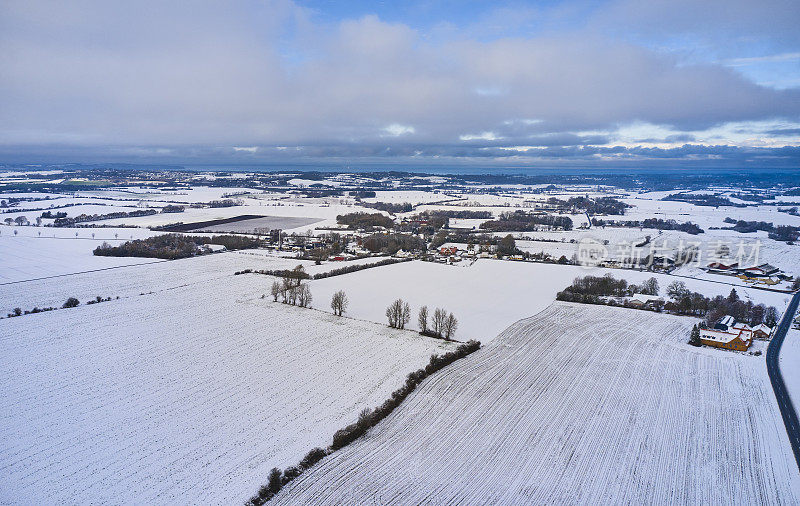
[(155, 261), (367, 419)]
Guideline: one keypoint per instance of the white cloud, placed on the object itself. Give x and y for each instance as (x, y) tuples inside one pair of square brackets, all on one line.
[(396, 130), (485, 136)]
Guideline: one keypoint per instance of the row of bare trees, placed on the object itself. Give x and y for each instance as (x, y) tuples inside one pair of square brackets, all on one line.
[(442, 324)]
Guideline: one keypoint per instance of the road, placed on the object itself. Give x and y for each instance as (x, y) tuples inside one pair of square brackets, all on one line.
[(781, 394)]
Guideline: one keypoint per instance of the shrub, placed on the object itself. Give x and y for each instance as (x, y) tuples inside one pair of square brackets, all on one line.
[(71, 302), (275, 480), (291, 473), (312, 457)]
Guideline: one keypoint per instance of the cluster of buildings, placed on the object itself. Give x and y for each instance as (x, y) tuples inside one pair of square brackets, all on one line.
[(733, 335)]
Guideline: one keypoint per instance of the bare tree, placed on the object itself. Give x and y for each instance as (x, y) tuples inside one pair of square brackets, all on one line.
[(304, 297), (405, 316), (422, 319), (276, 290), (450, 326), (650, 287), (439, 317), (287, 285), (339, 303), (398, 314), (293, 293), (771, 316)]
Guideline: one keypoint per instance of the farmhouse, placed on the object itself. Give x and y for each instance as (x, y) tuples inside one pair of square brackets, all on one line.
[(728, 334)]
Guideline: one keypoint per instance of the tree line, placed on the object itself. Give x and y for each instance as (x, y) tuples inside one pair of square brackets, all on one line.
[(174, 246), (520, 221), (599, 289), (82, 218), (365, 221), (603, 205), (656, 223), (785, 233)]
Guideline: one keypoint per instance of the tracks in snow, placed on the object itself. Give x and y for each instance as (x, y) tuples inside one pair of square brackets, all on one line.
[(579, 404)]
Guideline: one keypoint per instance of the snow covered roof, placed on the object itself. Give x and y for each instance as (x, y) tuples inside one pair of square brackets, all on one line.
[(721, 336), (641, 297), (728, 321), (763, 328)]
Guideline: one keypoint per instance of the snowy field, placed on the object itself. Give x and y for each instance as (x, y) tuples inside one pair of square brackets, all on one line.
[(789, 360), (268, 222), (489, 295), (188, 396), (158, 276), (264, 207), (649, 205), (578, 405), (755, 247), (411, 196), (58, 251)]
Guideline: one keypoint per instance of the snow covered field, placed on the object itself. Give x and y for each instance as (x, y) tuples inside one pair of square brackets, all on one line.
[(756, 247), (790, 364), (189, 395), (489, 295), (649, 205), (268, 222), (156, 276), (27, 255), (577, 405)]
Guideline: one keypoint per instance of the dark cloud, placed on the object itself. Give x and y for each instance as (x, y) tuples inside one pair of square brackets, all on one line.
[(103, 77), (784, 131), (354, 154)]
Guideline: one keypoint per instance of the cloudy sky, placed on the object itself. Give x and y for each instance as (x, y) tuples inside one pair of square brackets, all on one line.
[(575, 83)]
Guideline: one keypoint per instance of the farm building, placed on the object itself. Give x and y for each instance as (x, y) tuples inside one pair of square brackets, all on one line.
[(728, 334), (722, 268), (642, 300), (762, 331), (761, 270)]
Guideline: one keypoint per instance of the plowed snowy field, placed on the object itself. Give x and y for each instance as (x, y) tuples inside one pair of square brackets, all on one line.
[(577, 405), (185, 396)]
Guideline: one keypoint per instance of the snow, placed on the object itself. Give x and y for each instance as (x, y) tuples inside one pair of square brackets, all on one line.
[(57, 251), (756, 248), (188, 395), (789, 363), (577, 405), (148, 275), (282, 208), (648, 205), (488, 295), (410, 196)]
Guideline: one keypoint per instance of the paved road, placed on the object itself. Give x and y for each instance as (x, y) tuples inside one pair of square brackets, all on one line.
[(782, 395)]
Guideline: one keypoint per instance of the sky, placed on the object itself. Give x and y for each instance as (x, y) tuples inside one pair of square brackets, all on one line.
[(533, 84)]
